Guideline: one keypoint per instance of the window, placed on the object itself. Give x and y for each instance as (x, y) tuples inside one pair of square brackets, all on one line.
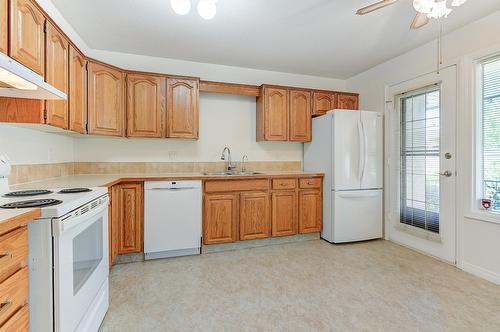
[(420, 153), (490, 132)]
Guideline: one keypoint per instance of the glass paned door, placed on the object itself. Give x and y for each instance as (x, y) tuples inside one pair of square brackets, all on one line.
[(420, 154)]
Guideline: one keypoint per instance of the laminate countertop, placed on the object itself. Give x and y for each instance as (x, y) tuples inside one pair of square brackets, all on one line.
[(13, 218), (108, 180)]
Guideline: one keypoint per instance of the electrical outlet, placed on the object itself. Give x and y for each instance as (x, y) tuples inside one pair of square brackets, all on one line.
[(172, 155)]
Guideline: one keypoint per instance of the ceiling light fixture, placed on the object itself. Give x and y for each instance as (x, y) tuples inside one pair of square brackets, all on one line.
[(440, 10), (423, 6), (458, 3), (207, 9), (181, 7)]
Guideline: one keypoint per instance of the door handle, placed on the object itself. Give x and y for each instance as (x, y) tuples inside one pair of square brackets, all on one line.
[(446, 174)]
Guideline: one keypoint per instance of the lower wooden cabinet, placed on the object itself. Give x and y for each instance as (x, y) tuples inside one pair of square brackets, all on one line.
[(284, 213), (310, 210), (127, 217), (254, 219), (220, 218)]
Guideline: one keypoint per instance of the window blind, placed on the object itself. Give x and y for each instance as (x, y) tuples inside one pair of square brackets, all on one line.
[(420, 147), (491, 132)]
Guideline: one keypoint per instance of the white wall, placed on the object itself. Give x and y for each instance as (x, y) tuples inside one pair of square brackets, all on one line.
[(478, 235), (27, 146), (225, 120)]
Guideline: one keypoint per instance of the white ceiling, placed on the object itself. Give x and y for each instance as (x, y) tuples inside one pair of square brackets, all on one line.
[(315, 37)]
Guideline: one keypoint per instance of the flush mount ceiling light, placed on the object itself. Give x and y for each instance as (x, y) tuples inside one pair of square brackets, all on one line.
[(206, 8), (181, 7)]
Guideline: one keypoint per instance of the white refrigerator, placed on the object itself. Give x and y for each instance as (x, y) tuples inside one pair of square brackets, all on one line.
[(348, 147)]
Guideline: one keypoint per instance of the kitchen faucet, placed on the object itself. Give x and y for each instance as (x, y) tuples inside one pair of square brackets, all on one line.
[(230, 166)]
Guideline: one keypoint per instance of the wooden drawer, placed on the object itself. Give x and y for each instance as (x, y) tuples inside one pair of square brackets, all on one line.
[(13, 252), (310, 183), (13, 294), (19, 322), (284, 184), (236, 185)]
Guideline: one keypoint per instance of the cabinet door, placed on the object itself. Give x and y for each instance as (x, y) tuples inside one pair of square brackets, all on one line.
[(300, 116), (284, 213), (324, 102), (77, 91), (27, 39), (128, 210), (4, 26), (145, 106), (254, 216), (275, 114), (105, 100), (220, 218), (56, 74), (182, 108), (310, 211), (348, 101)]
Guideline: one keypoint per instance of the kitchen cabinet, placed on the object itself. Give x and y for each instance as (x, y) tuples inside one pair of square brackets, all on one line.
[(106, 111), (77, 91), (310, 211), (323, 101), (284, 213), (300, 116), (128, 211), (56, 74), (4, 26), (145, 106), (182, 108), (348, 101), (272, 114), (284, 114), (27, 37), (220, 218), (254, 221)]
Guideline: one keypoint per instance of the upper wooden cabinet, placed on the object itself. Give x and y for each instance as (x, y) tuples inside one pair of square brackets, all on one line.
[(348, 101), (182, 108), (106, 111), (323, 101), (127, 215), (284, 114), (220, 218), (255, 222), (145, 106), (77, 91), (27, 39), (56, 74), (300, 116), (4, 26), (272, 114)]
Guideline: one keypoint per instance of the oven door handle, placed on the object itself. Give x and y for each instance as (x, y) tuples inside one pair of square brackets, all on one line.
[(60, 226)]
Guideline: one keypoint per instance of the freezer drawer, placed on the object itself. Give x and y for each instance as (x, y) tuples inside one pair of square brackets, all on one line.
[(357, 215)]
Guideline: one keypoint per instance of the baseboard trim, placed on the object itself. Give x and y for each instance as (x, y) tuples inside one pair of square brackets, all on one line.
[(480, 272)]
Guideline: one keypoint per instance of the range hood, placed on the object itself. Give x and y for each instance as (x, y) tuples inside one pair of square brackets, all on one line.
[(18, 81)]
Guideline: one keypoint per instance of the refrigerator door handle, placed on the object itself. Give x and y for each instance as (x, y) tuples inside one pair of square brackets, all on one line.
[(360, 194), (365, 151), (361, 162)]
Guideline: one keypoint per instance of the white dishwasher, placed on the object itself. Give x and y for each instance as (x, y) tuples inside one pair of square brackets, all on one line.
[(172, 218)]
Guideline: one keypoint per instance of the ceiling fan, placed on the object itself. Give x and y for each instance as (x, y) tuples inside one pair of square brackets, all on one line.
[(426, 9)]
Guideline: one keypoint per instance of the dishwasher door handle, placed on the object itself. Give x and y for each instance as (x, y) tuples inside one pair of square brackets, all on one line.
[(174, 189)]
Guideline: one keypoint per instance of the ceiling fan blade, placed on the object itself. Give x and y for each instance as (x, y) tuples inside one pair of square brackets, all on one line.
[(375, 6), (419, 21)]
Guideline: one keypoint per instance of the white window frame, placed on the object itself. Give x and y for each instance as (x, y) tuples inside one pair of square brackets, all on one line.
[(473, 101)]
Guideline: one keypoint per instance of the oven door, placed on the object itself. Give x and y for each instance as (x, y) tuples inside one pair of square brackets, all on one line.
[(80, 264)]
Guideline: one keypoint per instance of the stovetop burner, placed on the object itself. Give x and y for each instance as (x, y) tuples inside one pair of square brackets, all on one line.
[(31, 203), (74, 190), (23, 193)]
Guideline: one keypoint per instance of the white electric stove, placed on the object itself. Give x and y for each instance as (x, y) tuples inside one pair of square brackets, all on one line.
[(68, 257)]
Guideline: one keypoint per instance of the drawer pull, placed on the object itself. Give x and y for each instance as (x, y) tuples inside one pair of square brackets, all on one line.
[(5, 306), (5, 256)]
